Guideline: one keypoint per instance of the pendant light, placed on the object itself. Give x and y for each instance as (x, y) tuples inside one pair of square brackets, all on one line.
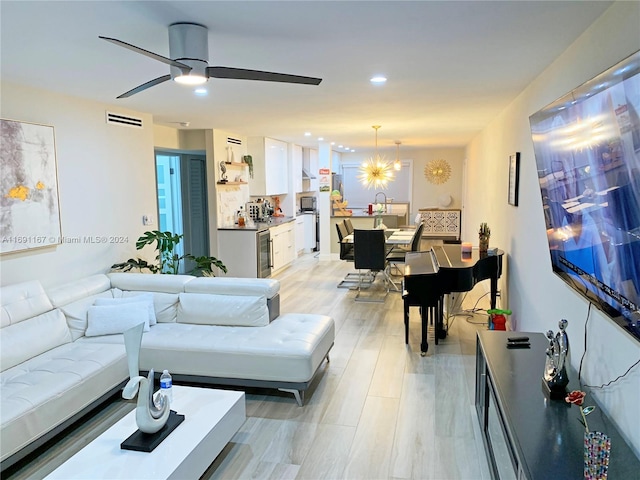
[(397, 165), (375, 172)]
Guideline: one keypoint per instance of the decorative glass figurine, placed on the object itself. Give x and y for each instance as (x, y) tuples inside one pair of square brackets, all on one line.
[(555, 371)]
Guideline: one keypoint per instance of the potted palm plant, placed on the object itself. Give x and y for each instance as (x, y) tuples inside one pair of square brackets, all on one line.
[(167, 259)]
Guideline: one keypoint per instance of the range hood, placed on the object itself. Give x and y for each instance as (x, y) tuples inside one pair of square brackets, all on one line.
[(306, 175)]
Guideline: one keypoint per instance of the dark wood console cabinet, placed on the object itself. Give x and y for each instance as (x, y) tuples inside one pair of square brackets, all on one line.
[(526, 435)]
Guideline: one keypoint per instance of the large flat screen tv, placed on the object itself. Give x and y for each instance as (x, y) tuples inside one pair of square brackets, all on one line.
[(587, 149)]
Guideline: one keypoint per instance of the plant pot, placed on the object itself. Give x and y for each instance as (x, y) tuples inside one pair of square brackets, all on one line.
[(597, 447)]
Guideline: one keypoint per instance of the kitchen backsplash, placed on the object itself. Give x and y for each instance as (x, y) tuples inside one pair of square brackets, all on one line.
[(229, 201)]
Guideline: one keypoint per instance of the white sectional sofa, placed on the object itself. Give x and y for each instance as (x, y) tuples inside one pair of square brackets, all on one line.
[(62, 351)]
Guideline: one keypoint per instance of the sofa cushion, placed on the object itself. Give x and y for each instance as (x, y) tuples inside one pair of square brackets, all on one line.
[(112, 319), (79, 289), (210, 309), (22, 301), (289, 349), (149, 282), (165, 304), (146, 298), (76, 313), (31, 337), (268, 287), (43, 392)]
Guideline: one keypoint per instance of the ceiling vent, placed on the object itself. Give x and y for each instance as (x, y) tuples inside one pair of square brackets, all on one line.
[(234, 141), (123, 120)]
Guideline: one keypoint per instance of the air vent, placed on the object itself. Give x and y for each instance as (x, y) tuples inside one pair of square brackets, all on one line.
[(123, 120), (234, 141)]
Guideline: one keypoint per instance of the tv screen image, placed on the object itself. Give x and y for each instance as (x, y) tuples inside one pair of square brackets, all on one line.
[(587, 150)]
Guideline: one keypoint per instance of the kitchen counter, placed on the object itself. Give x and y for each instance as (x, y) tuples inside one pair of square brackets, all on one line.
[(259, 226)]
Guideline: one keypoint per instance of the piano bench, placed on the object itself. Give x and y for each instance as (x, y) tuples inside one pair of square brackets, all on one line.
[(431, 310)]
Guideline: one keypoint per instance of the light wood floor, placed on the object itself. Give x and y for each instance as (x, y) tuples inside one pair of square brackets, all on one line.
[(378, 410)]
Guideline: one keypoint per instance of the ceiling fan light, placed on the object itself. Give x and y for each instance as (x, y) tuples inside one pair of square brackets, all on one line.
[(191, 79)]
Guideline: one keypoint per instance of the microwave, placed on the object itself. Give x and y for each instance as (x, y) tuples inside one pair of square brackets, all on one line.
[(307, 204)]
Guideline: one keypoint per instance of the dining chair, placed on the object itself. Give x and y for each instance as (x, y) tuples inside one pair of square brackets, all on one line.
[(369, 248), (351, 279), (348, 225), (346, 249)]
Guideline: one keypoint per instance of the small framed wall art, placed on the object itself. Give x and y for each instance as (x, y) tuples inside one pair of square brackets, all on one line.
[(514, 178)]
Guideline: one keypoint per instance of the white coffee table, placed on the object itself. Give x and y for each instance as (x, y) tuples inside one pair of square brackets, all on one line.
[(212, 417)]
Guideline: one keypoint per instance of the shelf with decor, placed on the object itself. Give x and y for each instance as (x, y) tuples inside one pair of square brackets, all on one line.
[(236, 164), (232, 183)]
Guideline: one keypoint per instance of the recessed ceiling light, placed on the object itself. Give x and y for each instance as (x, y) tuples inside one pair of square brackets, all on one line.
[(340, 146), (307, 134), (320, 139), (352, 150), (200, 91), (378, 80), (333, 143)]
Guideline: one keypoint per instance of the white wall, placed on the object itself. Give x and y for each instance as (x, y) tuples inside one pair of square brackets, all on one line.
[(537, 297), (106, 180), (177, 139)]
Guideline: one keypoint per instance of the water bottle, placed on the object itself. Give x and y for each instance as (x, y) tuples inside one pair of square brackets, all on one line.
[(165, 386)]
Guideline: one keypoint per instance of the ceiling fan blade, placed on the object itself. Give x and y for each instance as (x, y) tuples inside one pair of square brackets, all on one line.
[(144, 86), (244, 74), (174, 63)]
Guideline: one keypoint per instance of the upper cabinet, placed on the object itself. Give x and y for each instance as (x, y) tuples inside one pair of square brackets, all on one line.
[(270, 169), (296, 165)]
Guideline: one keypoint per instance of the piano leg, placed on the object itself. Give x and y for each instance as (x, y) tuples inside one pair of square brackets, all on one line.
[(494, 290), (424, 316), (441, 333), (406, 321)]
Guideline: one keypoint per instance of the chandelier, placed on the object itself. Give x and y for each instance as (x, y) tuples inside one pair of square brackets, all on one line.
[(375, 172)]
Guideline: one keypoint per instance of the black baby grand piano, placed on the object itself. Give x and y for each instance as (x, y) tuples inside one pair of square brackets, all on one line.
[(442, 270)]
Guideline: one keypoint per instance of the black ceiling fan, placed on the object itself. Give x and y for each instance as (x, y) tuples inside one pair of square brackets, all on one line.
[(189, 50)]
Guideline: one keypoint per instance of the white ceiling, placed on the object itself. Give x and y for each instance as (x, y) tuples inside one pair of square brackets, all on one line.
[(452, 66)]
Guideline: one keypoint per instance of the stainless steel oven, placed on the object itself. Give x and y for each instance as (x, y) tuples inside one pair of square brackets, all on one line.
[(264, 251)]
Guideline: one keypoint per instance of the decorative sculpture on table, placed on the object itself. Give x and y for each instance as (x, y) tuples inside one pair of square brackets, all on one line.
[(150, 417), (555, 377)]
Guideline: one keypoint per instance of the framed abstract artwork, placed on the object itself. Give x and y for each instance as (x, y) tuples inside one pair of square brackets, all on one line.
[(514, 178), (29, 202)]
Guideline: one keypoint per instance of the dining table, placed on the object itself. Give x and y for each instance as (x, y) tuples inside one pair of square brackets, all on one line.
[(393, 236)]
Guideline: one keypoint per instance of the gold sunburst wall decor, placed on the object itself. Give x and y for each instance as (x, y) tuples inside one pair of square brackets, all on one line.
[(376, 172), (437, 171)]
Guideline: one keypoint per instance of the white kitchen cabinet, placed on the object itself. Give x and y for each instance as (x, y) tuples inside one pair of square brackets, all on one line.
[(283, 241), (270, 169), (299, 228), (296, 166), (238, 251)]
